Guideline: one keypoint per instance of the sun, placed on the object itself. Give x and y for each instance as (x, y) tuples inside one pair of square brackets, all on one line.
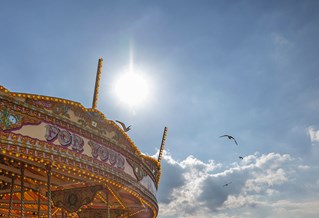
[(132, 89)]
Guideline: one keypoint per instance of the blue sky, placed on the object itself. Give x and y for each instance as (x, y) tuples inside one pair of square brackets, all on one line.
[(244, 68)]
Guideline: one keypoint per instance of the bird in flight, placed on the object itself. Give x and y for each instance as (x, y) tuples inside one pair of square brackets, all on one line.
[(240, 157), (230, 137), (227, 184), (125, 129)]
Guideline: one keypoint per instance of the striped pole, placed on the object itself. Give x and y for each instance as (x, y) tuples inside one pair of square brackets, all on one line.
[(49, 190), (162, 144), (22, 190), (108, 205), (11, 196), (97, 83), (39, 203)]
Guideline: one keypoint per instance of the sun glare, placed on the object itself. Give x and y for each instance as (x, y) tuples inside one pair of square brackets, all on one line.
[(132, 89)]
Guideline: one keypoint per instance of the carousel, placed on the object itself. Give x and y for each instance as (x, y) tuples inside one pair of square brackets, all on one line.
[(60, 159)]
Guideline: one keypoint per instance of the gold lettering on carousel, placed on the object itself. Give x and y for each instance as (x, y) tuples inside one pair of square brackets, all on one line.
[(77, 143), (51, 133), (65, 138), (107, 155)]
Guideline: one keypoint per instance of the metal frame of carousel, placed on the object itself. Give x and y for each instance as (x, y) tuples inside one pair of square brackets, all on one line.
[(59, 159)]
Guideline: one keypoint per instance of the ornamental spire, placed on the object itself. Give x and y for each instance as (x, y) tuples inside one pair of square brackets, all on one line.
[(97, 83), (162, 144)]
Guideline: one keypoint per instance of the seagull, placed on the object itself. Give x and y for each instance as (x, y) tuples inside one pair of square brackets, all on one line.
[(240, 157), (229, 137), (227, 184), (125, 129)]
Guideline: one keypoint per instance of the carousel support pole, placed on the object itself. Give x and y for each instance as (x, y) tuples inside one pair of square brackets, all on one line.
[(62, 210), (49, 189), (11, 196), (22, 190), (39, 203), (97, 83), (108, 205)]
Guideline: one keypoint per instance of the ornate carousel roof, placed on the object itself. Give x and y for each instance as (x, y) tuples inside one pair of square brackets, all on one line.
[(59, 159)]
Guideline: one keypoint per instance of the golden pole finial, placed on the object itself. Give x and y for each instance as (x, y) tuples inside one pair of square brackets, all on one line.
[(162, 144), (97, 83)]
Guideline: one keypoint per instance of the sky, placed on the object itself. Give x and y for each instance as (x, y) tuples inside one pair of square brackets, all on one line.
[(247, 68)]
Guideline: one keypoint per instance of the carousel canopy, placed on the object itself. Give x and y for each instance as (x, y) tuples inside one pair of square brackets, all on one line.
[(60, 159)]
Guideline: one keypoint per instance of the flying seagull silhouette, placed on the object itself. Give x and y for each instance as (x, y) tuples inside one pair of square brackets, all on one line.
[(125, 129), (229, 137), (227, 184)]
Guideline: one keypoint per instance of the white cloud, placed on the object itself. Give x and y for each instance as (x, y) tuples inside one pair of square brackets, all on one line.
[(272, 160), (314, 135), (303, 167), (239, 201), (287, 208), (268, 177), (272, 192), (259, 181)]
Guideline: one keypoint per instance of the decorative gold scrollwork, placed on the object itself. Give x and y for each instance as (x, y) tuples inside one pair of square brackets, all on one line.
[(73, 199), (10, 119)]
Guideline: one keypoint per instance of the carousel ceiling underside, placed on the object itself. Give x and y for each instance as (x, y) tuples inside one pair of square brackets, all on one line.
[(121, 203)]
